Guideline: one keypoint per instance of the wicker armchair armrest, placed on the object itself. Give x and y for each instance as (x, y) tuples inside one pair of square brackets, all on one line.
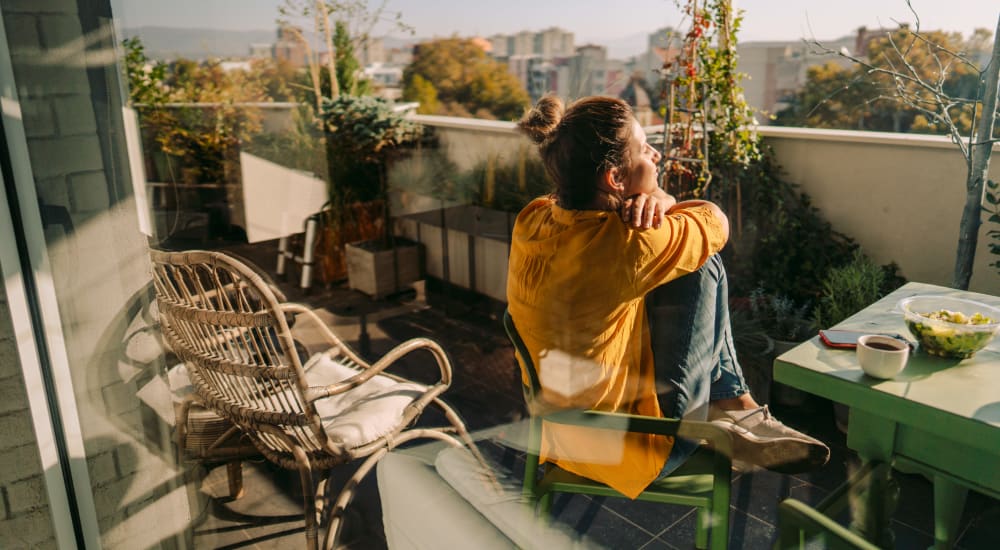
[(387, 360), (332, 339)]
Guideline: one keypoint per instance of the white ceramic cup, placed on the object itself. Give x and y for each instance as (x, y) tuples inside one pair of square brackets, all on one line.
[(882, 356)]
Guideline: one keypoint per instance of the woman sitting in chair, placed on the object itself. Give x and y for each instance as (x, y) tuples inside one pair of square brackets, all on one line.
[(620, 297)]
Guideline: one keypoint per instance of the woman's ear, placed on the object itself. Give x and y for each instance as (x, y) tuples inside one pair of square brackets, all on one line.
[(612, 180)]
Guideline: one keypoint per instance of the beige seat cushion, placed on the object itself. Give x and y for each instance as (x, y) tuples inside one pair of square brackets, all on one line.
[(365, 413)]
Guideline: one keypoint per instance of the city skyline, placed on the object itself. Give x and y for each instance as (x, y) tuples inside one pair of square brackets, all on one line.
[(591, 20)]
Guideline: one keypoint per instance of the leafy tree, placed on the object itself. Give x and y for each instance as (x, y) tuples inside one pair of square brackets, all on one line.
[(352, 19), (418, 89), (927, 89), (145, 77), (202, 140), (277, 79), (830, 99), (465, 79), (869, 97), (347, 66)]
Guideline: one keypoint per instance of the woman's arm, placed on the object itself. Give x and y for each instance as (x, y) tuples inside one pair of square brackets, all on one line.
[(719, 214)]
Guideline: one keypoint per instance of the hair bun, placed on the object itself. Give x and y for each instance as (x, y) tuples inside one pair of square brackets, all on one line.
[(540, 122)]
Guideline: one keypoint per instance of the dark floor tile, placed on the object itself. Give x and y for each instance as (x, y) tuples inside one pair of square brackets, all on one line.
[(657, 543), (916, 507), (651, 516), (758, 493), (916, 502), (908, 537), (832, 475), (745, 531), (983, 529), (589, 517), (749, 532)]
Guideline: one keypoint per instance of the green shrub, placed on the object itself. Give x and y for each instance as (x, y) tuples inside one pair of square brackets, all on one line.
[(848, 289)]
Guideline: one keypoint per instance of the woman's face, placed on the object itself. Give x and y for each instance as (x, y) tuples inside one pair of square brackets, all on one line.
[(641, 171)]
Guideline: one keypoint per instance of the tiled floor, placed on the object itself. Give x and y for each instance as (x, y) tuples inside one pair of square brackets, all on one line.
[(486, 391)]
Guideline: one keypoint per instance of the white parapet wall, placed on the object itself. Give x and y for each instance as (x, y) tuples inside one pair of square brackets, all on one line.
[(900, 196)]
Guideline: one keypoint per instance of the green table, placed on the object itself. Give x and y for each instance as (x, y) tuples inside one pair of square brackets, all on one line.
[(938, 417)]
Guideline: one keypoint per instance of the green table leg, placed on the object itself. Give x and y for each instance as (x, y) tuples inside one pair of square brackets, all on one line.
[(949, 500), (873, 505)]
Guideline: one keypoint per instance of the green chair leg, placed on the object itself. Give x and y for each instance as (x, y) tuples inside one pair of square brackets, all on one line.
[(702, 526), (545, 504), (719, 521)]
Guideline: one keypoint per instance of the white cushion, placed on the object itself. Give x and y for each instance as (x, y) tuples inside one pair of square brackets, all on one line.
[(362, 414), (453, 523), (179, 382), (497, 496)]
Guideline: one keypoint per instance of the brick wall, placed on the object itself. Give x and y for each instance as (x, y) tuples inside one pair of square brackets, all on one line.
[(72, 116), (24, 509)]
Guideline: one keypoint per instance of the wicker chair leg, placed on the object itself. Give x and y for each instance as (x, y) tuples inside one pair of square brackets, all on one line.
[(321, 507), (308, 498), (234, 469), (345, 496), (463, 433)]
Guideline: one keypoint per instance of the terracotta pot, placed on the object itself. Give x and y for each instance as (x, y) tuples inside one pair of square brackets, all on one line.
[(361, 222)]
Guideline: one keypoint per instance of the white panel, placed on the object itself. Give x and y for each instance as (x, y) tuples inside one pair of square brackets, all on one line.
[(277, 200)]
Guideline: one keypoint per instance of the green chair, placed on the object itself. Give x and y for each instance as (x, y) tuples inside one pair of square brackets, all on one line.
[(801, 526), (703, 481)]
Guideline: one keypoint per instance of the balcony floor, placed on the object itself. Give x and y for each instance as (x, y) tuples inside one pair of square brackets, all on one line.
[(486, 391)]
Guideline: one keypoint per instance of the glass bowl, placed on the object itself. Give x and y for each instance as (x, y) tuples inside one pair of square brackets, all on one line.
[(950, 337)]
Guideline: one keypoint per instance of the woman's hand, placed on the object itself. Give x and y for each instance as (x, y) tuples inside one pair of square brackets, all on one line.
[(645, 211)]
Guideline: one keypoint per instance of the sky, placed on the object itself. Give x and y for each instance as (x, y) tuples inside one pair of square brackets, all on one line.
[(589, 20)]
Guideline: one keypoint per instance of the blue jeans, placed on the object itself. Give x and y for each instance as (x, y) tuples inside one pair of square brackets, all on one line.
[(693, 349)]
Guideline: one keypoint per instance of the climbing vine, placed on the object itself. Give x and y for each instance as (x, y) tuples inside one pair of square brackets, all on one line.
[(711, 127)]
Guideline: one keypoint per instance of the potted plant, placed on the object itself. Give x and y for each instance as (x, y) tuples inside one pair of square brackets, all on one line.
[(781, 319), (847, 290), (786, 324), (363, 134)]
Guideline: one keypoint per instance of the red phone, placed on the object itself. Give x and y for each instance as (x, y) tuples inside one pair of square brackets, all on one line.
[(848, 339)]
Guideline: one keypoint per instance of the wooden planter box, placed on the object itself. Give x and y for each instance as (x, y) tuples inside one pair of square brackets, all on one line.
[(378, 272), (469, 251)]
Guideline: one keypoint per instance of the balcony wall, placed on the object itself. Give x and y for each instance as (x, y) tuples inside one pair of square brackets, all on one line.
[(899, 196)]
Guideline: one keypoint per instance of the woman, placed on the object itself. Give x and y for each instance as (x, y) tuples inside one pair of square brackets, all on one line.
[(582, 264)]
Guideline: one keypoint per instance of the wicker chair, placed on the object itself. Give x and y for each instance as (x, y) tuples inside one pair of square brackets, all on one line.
[(227, 326), (202, 434)]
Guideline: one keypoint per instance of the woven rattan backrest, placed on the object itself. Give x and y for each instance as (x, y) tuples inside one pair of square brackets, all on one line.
[(225, 323)]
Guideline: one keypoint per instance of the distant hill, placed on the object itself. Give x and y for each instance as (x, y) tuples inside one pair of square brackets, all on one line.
[(166, 43), (170, 43), (626, 46)]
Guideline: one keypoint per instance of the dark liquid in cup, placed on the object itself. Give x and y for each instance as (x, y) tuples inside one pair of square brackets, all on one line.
[(883, 347)]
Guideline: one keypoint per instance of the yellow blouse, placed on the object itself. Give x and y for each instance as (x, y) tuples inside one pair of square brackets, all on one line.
[(575, 288)]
